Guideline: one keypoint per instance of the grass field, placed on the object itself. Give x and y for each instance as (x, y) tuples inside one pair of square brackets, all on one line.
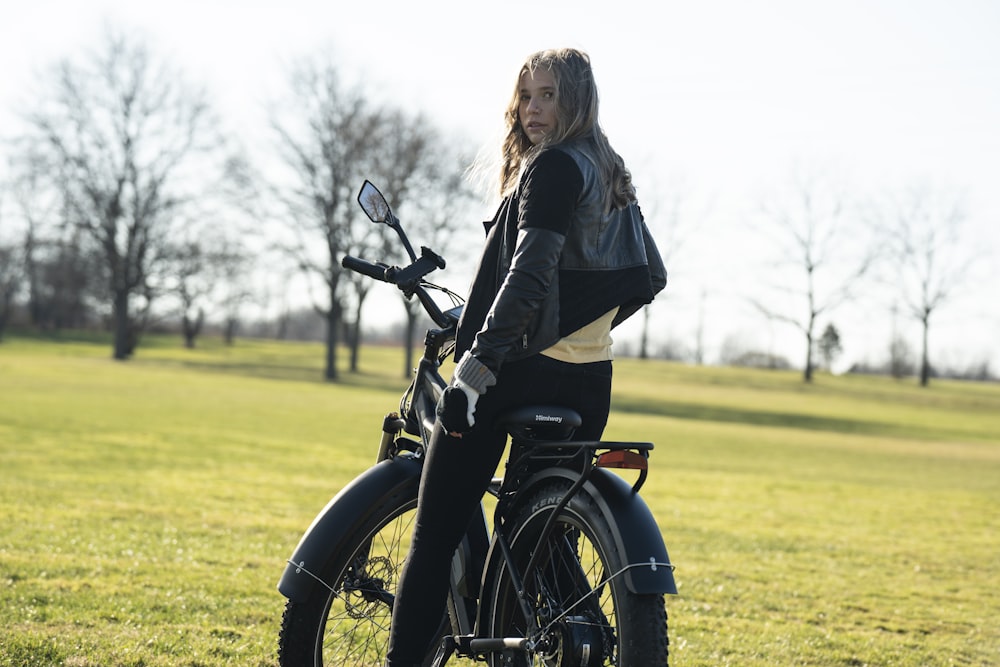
[(148, 507)]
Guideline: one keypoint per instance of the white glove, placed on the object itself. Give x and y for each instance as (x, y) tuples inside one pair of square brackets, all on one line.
[(472, 396), (457, 407)]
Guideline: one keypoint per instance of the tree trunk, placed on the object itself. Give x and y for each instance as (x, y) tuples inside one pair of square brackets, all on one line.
[(808, 374), (355, 336), (925, 363), (31, 269), (229, 333), (644, 338), (283, 322), (411, 327), (192, 328), (189, 337), (6, 305), (332, 338), (123, 345), (353, 339)]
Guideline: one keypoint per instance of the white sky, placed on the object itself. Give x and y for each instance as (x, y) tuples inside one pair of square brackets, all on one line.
[(720, 96)]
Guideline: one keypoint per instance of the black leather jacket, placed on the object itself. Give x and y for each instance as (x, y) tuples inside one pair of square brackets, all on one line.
[(556, 260)]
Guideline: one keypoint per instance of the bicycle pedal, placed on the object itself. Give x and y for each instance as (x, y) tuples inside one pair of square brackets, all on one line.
[(463, 644)]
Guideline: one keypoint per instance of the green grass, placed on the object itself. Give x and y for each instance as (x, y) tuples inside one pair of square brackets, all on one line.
[(148, 507)]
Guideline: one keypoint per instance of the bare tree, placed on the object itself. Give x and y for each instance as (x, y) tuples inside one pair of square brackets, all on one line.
[(56, 259), (669, 240), (829, 345), (190, 280), (425, 180), (325, 145), (403, 148), (9, 284), (400, 145), (65, 290), (671, 220), (436, 219), (10, 272), (126, 142), (205, 268), (25, 192), (820, 257), (40, 257), (233, 263), (928, 262)]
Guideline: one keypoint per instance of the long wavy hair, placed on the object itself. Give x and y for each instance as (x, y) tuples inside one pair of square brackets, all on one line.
[(576, 119)]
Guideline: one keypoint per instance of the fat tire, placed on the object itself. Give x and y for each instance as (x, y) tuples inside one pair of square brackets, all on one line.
[(323, 629), (636, 633)]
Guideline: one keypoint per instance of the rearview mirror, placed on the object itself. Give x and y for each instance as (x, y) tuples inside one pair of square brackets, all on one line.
[(374, 204)]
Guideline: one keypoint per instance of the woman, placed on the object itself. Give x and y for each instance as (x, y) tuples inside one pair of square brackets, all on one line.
[(567, 258)]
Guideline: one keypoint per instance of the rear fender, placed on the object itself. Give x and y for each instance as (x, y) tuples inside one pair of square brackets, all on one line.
[(635, 531), (633, 528)]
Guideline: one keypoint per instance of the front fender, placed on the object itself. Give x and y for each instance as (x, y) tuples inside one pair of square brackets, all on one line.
[(349, 509)]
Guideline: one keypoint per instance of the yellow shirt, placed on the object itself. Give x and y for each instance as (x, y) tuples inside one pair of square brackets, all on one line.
[(587, 344)]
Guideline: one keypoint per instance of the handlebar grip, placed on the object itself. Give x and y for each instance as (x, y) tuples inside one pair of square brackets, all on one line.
[(371, 269)]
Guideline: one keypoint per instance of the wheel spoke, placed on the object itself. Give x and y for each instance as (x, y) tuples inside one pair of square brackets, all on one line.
[(575, 591), (357, 624)]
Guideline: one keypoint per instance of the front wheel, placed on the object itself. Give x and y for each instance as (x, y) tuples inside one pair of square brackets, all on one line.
[(578, 598), (347, 625)]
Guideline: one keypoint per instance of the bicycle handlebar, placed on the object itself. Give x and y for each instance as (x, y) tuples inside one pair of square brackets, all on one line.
[(408, 280), (376, 270)]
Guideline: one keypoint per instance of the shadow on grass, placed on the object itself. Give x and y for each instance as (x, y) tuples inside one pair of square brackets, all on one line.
[(777, 419), (289, 372)]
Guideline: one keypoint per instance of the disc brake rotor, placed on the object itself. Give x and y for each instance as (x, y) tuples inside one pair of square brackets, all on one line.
[(366, 591)]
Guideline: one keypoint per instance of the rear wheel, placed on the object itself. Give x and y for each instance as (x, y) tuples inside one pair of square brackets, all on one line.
[(588, 616), (347, 625)]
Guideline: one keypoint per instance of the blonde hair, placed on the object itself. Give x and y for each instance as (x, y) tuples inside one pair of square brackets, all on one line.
[(576, 119)]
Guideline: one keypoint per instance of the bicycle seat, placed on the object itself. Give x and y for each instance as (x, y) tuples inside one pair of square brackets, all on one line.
[(540, 422)]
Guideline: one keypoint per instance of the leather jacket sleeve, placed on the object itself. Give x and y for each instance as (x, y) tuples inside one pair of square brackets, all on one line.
[(532, 272), (547, 197)]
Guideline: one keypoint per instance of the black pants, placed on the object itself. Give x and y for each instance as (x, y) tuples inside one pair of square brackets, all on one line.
[(455, 477)]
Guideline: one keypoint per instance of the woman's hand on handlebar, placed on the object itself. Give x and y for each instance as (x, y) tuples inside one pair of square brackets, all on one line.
[(456, 410), (457, 407)]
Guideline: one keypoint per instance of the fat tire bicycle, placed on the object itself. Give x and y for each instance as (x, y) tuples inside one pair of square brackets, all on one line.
[(573, 572)]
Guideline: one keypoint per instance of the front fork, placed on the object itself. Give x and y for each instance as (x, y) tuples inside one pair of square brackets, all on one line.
[(392, 424)]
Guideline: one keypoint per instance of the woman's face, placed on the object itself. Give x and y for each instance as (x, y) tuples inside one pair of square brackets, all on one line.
[(536, 109)]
